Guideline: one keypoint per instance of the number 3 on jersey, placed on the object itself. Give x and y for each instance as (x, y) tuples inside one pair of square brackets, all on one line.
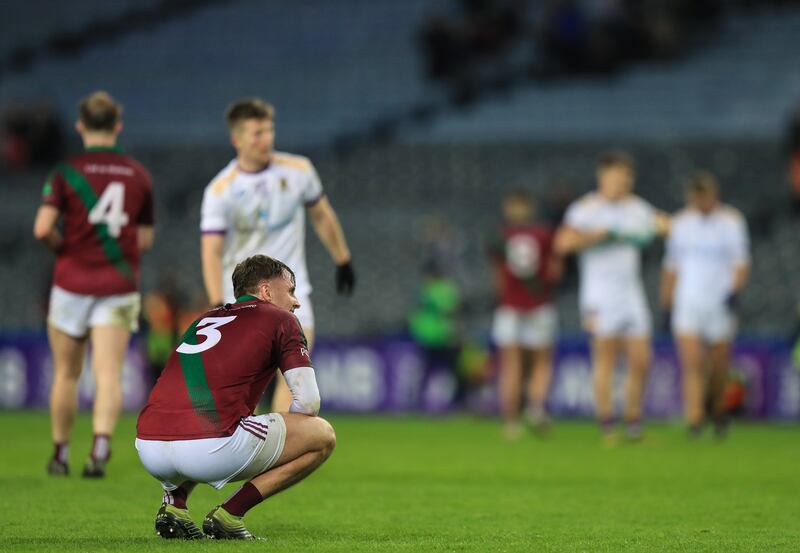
[(213, 336), (110, 209)]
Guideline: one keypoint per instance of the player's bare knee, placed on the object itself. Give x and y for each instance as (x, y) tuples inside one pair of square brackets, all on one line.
[(325, 437)]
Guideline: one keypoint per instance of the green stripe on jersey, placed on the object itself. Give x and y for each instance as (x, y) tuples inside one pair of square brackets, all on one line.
[(194, 375), (86, 193)]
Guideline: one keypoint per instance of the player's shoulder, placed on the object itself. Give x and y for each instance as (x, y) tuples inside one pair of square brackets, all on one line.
[(587, 202), (730, 214), (293, 162), (637, 202), (222, 180), (683, 216)]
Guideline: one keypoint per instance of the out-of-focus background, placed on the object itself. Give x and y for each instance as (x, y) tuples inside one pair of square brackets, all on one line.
[(419, 115)]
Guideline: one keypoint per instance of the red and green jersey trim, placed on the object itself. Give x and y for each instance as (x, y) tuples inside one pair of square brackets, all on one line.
[(194, 375), (113, 252)]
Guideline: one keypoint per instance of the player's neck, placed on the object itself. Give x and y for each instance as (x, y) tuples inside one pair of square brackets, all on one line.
[(249, 166), (99, 140)]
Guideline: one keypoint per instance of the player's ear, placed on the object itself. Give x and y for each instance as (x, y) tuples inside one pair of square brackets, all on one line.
[(118, 127)]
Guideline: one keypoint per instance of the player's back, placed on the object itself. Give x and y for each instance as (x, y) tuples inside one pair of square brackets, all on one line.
[(524, 254), (103, 196), (704, 250), (220, 369)]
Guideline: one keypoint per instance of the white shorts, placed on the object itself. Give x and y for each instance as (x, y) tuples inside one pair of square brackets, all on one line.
[(253, 449), (712, 323), (630, 319), (306, 313), (74, 313), (532, 329)]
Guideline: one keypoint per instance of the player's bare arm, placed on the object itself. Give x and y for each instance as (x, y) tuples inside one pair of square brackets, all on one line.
[(211, 246), (740, 276), (662, 223), (44, 227), (571, 240), (326, 225), (145, 235)]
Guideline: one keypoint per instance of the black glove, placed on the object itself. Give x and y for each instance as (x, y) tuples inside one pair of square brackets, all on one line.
[(345, 278)]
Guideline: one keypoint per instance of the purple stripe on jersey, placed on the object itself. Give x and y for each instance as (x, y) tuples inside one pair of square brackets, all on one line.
[(253, 432), (312, 203), (213, 231)]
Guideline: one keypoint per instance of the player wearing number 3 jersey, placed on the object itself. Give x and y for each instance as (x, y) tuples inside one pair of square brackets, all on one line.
[(105, 201), (199, 426)]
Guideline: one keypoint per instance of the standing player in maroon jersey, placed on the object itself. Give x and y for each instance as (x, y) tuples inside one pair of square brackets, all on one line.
[(104, 199), (525, 321), (198, 425)]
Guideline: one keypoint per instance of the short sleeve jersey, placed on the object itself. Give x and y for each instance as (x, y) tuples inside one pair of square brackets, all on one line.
[(610, 271), (103, 196), (522, 254), (219, 371), (262, 213), (704, 251)]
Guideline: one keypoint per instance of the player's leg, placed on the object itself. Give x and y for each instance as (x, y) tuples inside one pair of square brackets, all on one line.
[(690, 351), (538, 335), (539, 387), (719, 357), (282, 397), (112, 321), (605, 350), (511, 388), (639, 355), (68, 356), (309, 441)]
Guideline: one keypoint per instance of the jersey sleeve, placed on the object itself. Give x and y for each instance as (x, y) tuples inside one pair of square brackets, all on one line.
[(212, 212), (312, 192), (54, 191), (575, 216), (146, 215), (292, 345)]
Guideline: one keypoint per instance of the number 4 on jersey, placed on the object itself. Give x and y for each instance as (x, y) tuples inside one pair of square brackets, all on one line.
[(110, 209)]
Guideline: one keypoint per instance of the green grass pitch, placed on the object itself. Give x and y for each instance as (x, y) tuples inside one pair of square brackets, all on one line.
[(447, 484)]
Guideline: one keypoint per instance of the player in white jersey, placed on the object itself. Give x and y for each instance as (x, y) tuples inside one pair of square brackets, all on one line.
[(705, 268), (257, 205), (608, 228)]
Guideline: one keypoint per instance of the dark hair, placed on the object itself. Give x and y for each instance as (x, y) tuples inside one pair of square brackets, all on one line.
[(616, 158), (250, 272), (519, 195), (702, 182), (248, 108), (99, 112)]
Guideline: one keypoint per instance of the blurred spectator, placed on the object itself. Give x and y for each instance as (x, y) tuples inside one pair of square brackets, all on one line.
[(474, 31), (31, 135)]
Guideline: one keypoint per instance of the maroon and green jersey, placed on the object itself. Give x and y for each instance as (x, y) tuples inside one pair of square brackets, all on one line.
[(218, 373), (103, 196), (522, 255)]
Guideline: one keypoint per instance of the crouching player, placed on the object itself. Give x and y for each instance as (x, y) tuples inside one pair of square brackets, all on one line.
[(198, 424)]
